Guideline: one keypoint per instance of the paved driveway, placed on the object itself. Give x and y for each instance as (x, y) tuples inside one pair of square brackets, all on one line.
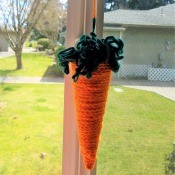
[(11, 52), (166, 89), (6, 54)]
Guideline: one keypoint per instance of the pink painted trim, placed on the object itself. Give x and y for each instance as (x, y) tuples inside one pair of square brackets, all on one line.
[(70, 160), (78, 22)]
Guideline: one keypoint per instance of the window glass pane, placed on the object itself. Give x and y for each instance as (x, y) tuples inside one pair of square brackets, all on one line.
[(137, 129)]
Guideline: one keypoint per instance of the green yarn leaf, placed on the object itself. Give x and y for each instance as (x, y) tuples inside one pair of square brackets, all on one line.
[(90, 52)]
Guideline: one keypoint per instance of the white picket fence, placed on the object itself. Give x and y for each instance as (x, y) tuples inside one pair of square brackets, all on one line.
[(146, 71)]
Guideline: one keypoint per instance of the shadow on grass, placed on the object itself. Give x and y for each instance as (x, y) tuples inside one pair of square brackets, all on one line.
[(9, 87), (7, 72), (53, 71)]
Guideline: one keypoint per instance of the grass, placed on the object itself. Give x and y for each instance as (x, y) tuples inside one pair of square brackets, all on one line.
[(31, 123), (34, 65), (139, 128), (138, 131)]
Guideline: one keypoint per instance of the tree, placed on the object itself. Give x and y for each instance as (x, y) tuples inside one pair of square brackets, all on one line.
[(19, 17), (169, 1), (35, 35), (146, 5), (52, 21), (135, 4), (115, 4)]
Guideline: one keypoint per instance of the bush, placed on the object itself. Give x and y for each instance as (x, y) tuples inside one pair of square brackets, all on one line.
[(57, 70), (46, 43), (34, 44), (27, 43), (170, 166), (40, 47), (58, 49), (49, 52), (30, 44)]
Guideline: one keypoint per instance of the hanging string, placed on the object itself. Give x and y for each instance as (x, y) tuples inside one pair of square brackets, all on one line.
[(94, 15), (94, 9)]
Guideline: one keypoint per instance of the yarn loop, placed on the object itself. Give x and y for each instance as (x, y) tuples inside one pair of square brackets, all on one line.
[(89, 52)]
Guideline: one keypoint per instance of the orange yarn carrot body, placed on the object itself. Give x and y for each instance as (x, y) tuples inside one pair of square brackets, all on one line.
[(90, 97)]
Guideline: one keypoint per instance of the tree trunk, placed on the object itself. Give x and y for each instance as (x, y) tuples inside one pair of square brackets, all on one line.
[(18, 54)]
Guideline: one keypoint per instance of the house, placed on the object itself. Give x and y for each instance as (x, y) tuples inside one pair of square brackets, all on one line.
[(149, 37), (3, 43)]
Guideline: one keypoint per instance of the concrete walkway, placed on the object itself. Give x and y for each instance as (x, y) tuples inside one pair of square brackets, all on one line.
[(6, 54), (166, 89), (11, 52), (36, 80)]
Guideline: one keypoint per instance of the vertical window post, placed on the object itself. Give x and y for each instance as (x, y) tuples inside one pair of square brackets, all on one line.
[(78, 22)]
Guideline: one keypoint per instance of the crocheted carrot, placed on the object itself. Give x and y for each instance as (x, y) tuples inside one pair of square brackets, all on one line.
[(90, 97), (91, 62)]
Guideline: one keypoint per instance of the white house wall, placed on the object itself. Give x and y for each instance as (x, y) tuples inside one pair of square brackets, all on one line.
[(143, 46), (3, 44), (111, 33)]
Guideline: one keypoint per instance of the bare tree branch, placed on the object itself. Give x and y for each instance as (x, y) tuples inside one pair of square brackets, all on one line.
[(19, 18), (52, 21)]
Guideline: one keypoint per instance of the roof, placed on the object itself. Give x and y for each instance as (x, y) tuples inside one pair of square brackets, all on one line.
[(162, 16)]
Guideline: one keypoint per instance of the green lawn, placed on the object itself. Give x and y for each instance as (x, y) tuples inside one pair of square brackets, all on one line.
[(138, 131), (31, 124), (139, 128), (34, 65)]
